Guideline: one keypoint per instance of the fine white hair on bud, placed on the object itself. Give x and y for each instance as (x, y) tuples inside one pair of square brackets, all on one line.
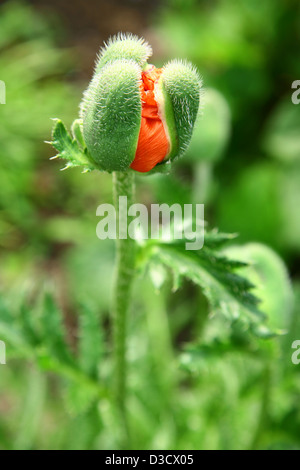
[(111, 115), (124, 46), (182, 85)]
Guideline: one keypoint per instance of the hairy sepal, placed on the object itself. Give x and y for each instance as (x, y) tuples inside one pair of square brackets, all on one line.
[(111, 115), (181, 89), (124, 46)]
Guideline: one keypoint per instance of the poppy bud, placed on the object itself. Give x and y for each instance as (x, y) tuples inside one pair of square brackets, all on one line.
[(134, 115)]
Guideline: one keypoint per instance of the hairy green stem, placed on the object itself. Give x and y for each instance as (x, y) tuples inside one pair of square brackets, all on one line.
[(123, 186)]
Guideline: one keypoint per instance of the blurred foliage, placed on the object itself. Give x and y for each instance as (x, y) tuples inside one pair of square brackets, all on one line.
[(198, 376), (248, 51), (267, 271)]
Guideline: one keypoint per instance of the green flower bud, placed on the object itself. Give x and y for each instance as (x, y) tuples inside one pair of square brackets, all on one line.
[(132, 114)]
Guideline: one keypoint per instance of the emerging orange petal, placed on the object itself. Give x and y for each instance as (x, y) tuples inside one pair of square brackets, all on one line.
[(153, 144)]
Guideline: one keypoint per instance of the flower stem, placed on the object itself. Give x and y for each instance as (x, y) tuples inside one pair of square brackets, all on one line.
[(123, 186)]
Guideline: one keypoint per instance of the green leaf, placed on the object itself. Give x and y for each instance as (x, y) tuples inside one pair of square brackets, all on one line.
[(28, 324), (12, 333), (272, 284), (196, 356), (69, 148), (77, 132), (71, 373), (79, 398), (227, 292), (32, 411), (90, 341), (54, 334)]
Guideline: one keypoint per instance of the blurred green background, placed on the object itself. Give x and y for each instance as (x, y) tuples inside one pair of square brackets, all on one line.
[(243, 163)]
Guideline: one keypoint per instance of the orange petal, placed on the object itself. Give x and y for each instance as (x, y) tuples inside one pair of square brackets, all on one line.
[(153, 144)]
